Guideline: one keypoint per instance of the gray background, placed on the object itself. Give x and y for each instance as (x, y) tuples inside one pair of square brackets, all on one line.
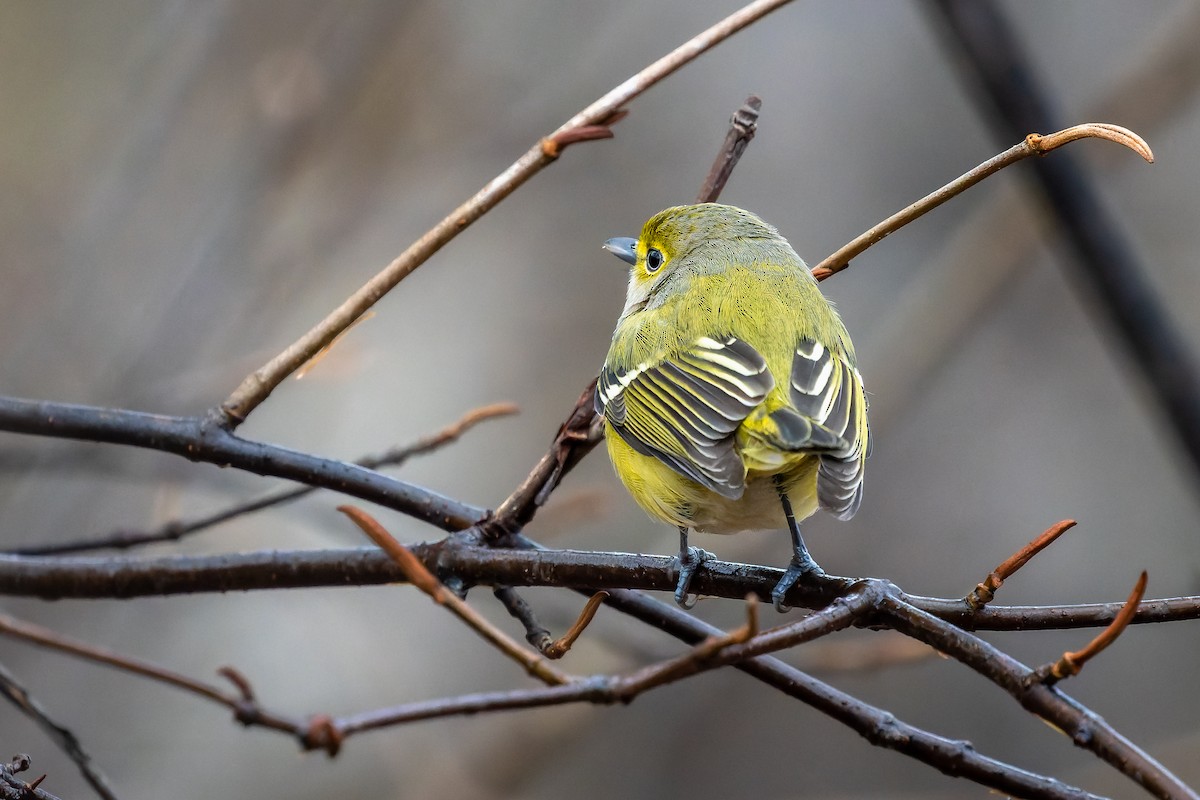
[(187, 187)]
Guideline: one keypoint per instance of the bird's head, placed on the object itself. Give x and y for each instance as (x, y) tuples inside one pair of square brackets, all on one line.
[(687, 240)]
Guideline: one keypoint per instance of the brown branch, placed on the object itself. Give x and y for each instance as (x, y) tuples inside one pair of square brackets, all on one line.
[(256, 386), (742, 127), (62, 736), (177, 529), (418, 575), (1034, 145), (985, 592), (1072, 662), (575, 439)]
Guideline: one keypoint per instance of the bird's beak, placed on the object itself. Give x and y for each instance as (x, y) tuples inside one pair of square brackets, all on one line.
[(623, 248)]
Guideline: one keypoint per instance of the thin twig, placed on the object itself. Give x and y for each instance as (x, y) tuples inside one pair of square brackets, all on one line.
[(575, 438), (62, 736), (562, 645), (1033, 145), (1072, 662), (255, 388), (742, 127), (985, 592), (175, 530), (243, 705), (416, 572)]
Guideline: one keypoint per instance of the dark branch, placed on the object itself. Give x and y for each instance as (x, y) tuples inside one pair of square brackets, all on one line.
[(55, 578), (1107, 264), (200, 440)]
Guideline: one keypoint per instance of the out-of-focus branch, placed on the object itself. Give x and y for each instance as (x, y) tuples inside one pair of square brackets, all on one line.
[(175, 530), (1108, 264), (62, 736), (255, 388)]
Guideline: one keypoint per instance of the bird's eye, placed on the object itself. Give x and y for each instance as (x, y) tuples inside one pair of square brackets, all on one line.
[(654, 259)]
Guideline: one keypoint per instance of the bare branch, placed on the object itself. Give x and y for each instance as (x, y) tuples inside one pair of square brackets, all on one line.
[(1034, 145), (984, 592), (259, 384), (1072, 662), (117, 577), (62, 736), (535, 664), (175, 530), (13, 788), (197, 440), (1082, 726), (742, 127)]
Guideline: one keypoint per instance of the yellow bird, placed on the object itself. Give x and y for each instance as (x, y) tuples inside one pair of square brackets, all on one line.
[(730, 395)]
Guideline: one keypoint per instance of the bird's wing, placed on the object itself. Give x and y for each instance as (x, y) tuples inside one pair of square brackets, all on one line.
[(683, 410), (827, 390)]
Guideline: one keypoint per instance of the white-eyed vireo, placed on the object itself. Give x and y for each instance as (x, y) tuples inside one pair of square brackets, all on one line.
[(730, 395)]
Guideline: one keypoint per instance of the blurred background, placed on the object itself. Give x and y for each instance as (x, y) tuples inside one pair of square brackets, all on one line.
[(187, 187)]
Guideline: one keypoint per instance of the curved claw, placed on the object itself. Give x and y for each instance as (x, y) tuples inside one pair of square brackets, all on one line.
[(687, 570), (796, 570)]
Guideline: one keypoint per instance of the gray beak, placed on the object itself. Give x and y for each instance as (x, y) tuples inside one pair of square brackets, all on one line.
[(623, 248)]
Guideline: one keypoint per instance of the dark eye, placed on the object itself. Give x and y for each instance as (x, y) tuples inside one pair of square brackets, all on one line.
[(654, 259)]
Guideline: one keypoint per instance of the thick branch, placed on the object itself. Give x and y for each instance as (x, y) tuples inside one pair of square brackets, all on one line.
[(123, 577), (197, 440)]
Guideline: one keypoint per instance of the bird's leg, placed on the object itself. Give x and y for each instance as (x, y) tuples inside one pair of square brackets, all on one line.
[(802, 563), (690, 559)]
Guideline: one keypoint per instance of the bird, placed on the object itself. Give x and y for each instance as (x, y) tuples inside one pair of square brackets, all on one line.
[(730, 396)]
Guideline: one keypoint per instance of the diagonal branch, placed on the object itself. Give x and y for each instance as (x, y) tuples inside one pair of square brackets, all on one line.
[(255, 388), (66, 741), (1085, 728), (1033, 145)]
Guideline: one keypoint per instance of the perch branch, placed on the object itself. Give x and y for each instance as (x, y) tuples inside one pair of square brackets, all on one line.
[(123, 578)]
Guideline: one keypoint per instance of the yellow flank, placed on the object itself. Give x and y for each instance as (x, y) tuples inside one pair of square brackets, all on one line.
[(666, 495), (727, 369)]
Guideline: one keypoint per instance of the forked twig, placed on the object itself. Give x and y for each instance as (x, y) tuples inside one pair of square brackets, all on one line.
[(1034, 145), (535, 664), (985, 592), (177, 529), (62, 736)]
